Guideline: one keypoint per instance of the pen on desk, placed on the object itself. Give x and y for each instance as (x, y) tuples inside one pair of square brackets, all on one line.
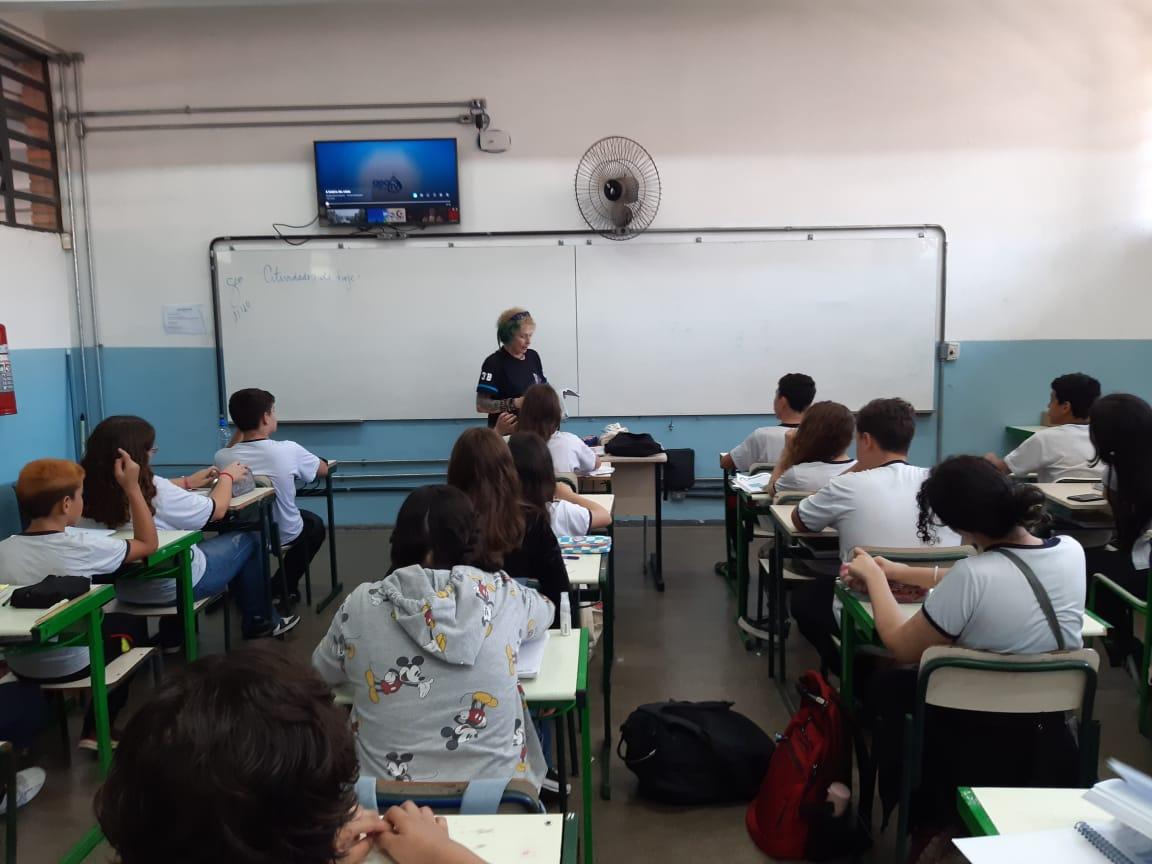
[(571, 557)]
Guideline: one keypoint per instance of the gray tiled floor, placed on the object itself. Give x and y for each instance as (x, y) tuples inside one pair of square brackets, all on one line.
[(680, 644)]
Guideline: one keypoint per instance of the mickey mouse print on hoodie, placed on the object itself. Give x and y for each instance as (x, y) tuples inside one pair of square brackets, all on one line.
[(431, 656)]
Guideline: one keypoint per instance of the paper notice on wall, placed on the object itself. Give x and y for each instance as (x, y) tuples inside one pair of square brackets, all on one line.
[(185, 320)]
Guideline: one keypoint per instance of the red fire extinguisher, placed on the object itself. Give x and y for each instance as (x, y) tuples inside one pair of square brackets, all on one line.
[(7, 388)]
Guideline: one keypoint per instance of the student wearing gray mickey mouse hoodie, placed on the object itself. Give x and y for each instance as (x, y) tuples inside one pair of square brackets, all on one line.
[(430, 653)]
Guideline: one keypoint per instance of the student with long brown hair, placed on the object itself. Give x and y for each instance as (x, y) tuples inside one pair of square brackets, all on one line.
[(816, 451), (515, 536), (540, 412), (568, 512), (224, 561)]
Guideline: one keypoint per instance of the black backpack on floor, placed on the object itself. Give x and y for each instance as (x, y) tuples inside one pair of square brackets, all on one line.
[(694, 752)]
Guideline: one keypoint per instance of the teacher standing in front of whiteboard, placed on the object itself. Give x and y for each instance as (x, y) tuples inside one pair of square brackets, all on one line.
[(509, 370)]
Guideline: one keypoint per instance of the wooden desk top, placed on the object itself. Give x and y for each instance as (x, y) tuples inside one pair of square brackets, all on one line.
[(1013, 811), (585, 569), (559, 671), (782, 515), (21, 624), (605, 500), (624, 460), (861, 611), (1059, 493)]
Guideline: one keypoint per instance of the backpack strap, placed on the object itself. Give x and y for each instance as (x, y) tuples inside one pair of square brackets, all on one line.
[(1041, 595)]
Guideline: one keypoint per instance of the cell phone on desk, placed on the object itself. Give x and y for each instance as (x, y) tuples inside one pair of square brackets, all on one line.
[(1086, 497)]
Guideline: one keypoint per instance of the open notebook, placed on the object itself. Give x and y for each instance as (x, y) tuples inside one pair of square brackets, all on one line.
[(1127, 839), (531, 657)]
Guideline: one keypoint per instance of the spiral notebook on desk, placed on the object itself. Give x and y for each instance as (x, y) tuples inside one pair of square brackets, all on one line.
[(1095, 843)]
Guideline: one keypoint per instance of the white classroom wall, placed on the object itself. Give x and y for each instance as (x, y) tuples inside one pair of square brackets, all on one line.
[(1018, 125)]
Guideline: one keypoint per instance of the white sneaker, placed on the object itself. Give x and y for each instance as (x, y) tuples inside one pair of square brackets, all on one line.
[(29, 782)]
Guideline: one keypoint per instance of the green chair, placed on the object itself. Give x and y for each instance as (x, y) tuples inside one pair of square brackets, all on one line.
[(963, 679), (1139, 606)]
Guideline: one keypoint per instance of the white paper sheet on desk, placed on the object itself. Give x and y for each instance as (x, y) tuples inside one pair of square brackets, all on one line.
[(605, 470), (91, 532), (752, 483), (531, 657)]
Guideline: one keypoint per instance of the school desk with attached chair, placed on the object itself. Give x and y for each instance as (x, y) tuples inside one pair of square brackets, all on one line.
[(74, 623)]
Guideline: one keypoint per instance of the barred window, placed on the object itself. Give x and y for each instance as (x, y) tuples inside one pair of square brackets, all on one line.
[(29, 180)]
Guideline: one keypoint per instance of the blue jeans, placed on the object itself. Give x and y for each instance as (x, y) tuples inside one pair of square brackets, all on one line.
[(233, 561)]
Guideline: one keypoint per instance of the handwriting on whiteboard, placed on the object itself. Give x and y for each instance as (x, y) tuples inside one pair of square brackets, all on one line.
[(273, 274)]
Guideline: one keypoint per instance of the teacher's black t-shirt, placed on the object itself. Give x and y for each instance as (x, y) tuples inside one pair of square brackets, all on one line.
[(504, 377)]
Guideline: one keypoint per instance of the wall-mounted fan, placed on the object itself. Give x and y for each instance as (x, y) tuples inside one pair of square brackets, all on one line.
[(617, 188)]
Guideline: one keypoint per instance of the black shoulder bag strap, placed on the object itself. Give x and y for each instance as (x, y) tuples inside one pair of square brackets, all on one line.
[(1041, 595)]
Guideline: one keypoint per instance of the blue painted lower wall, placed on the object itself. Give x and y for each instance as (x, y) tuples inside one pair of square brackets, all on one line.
[(42, 426), (992, 385)]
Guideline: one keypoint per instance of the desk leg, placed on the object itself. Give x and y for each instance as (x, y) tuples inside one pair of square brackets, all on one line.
[(266, 518), (659, 573), (773, 601), (186, 605), (570, 837), (608, 595), (741, 577), (99, 691), (559, 746), (586, 772), (847, 660), (780, 594), (337, 587)]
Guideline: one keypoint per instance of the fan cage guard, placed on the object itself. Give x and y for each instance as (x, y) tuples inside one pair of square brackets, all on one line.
[(610, 158)]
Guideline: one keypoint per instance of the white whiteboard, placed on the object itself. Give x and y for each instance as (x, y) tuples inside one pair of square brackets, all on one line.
[(708, 328), (666, 324), (387, 332)]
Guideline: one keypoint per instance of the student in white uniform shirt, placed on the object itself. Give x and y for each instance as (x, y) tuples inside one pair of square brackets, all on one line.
[(569, 513), (51, 496), (993, 601), (228, 560), (794, 393), (815, 452), (1121, 429), (541, 413), (284, 462), (874, 504), (1063, 449)]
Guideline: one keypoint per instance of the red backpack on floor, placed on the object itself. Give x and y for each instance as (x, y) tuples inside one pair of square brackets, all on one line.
[(790, 816)]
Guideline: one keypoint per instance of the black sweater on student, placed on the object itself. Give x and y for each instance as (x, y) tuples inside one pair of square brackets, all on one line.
[(539, 558)]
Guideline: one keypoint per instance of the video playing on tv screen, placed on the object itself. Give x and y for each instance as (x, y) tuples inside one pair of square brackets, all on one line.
[(398, 182)]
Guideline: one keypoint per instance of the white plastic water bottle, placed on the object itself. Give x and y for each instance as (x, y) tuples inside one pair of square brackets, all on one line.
[(225, 433), (565, 614)]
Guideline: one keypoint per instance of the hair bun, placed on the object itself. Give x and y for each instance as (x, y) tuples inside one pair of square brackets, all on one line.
[(1029, 506)]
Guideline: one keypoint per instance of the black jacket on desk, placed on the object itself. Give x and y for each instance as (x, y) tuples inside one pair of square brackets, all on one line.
[(539, 558)]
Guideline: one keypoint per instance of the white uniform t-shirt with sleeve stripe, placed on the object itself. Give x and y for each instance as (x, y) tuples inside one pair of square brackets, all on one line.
[(568, 519), (876, 507), (570, 455), (283, 462), (26, 559), (1055, 453), (811, 476), (985, 602), (762, 447), (176, 510)]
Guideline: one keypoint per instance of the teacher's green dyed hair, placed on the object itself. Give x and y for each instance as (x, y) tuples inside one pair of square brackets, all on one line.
[(510, 322)]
